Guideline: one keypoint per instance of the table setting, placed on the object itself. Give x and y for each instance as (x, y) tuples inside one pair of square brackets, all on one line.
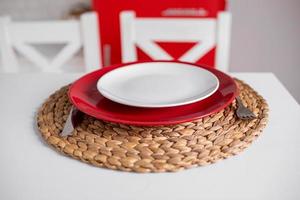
[(28, 162), (131, 117), (135, 99)]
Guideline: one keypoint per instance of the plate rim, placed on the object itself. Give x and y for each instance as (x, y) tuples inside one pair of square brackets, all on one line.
[(152, 123), (125, 101)]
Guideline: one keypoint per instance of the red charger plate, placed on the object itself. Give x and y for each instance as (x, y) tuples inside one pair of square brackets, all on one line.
[(84, 95)]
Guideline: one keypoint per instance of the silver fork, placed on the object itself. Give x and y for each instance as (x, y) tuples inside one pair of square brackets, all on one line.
[(68, 127), (74, 119), (242, 112)]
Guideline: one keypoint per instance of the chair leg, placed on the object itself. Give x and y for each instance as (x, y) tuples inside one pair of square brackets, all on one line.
[(223, 41), (91, 41), (9, 61)]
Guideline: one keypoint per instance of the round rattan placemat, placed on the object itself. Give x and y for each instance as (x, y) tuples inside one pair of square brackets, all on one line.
[(153, 149)]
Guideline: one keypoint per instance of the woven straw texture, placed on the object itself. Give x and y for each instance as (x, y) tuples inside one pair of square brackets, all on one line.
[(153, 149)]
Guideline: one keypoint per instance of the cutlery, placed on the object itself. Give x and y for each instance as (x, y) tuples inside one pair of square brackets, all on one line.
[(74, 118), (242, 111)]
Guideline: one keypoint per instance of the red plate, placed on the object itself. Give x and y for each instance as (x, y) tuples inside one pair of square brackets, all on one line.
[(85, 96)]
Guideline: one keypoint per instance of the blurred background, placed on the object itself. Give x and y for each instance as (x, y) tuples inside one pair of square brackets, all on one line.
[(264, 38)]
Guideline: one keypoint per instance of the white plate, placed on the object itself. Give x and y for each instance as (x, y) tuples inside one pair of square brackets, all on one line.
[(157, 84)]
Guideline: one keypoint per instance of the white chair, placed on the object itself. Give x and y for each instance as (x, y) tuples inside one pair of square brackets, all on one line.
[(208, 33), (74, 33)]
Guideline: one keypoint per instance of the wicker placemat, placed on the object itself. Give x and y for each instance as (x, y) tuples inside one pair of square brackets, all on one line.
[(153, 149)]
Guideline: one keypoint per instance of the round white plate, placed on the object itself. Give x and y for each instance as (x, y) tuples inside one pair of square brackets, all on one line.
[(157, 84)]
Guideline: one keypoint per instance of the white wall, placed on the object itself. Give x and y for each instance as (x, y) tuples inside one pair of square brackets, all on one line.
[(265, 35), (36, 9)]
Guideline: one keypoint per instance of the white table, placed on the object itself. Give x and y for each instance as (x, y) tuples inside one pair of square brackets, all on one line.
[(30, 170)]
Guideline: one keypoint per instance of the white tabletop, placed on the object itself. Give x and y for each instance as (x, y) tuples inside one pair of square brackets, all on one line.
[(30, 170)]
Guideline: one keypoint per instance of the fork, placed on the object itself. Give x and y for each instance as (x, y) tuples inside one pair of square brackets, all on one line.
[(242, 112), (74, 119)]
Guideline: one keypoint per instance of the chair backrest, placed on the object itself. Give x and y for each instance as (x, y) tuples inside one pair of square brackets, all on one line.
[(74, 34), (208, 33)]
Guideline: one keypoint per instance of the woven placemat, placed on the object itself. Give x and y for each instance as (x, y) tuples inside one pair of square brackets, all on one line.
[(153, 149)]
